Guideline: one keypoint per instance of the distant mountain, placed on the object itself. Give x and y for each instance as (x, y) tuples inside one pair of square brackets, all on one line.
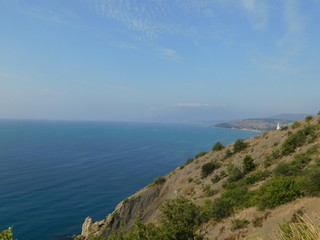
[(262, 124)]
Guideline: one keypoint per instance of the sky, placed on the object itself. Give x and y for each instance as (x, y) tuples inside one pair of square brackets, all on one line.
[(158, 60)]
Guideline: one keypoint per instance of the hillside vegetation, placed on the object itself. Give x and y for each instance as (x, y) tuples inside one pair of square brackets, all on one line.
[(245, 190)]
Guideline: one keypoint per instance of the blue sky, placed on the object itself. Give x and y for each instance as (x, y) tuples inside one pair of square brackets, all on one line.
[(158, 60)]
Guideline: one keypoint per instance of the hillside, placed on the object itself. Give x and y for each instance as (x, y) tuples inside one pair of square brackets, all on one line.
[(241, 191), (254, 124)]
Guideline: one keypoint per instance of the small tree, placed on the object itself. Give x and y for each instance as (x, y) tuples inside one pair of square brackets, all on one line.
[(7, 234), (208, 168), (239, 145), (248, 164), (218, 146)]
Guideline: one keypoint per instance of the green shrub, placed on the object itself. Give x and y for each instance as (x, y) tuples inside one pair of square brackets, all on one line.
[(159, 180), (239, 145), (248, 164), (218, 146), (239, 223), (279, 191), (228, 154), (312, 182), (296, 125), (190, 160), (295, 167), (268, 161), (180, 219), (221, 208), (256, 177), (235, 174), (298, 139), (208, 168), (284, 128), (308, 118), (200, 154), (7, 234)]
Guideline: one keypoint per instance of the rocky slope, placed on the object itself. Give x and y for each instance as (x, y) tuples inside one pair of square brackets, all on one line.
[(267, 151)]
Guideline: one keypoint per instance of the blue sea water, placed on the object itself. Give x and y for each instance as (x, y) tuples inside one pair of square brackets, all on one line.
[(53, 174)]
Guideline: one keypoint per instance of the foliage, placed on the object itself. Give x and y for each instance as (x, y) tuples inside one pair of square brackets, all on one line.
[(221, 208), (298, 139), (235, 174), (159, 180), (248, 164), (308, 118), (239, 145), (208, 168), (190, 160), (296, 125), (180, 217), (218, 146), (278, 191), (228, 154), (179, 220), (7, 234), (239, 223), (257, 177), (295, 167), (312, 182), (200, 154)]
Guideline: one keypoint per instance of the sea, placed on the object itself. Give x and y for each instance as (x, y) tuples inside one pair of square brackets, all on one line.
[(53, 174)]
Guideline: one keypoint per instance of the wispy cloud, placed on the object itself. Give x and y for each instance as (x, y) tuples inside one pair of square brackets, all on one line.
[(169, 53), (258, 12), (293, 38), (48, 15), (195, 105)]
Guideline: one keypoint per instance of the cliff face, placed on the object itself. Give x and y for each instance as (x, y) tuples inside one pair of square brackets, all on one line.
[(188, 181)]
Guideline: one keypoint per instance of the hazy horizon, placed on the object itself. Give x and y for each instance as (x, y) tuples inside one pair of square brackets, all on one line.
[(158, 60)]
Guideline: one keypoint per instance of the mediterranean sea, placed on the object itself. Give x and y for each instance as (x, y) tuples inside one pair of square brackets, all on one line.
[(55, 173)]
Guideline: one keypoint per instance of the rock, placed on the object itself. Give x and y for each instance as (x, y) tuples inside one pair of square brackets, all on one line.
[(86, 226)]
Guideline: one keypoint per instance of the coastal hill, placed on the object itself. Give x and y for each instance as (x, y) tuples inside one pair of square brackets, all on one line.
[(240, 191), (262, 124)]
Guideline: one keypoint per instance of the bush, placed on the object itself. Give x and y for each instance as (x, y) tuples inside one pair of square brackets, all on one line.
[(312, 182), (7, 234), (239, 145), (296, 125), (248, 164), (278, 191), (239, 223), (200, 154), (228, 154), (159, 180), (221, 208), (218, 146), (180, 218), (295, 167), (267, 162), (208, 168), (298, 139), (308, 118), (235, 174), (190, 160), (257, 177)]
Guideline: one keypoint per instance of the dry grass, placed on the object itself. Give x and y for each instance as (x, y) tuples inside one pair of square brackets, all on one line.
[(303, 228)]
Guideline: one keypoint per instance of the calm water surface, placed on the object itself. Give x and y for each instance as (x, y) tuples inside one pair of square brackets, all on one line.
[(54, 174)]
